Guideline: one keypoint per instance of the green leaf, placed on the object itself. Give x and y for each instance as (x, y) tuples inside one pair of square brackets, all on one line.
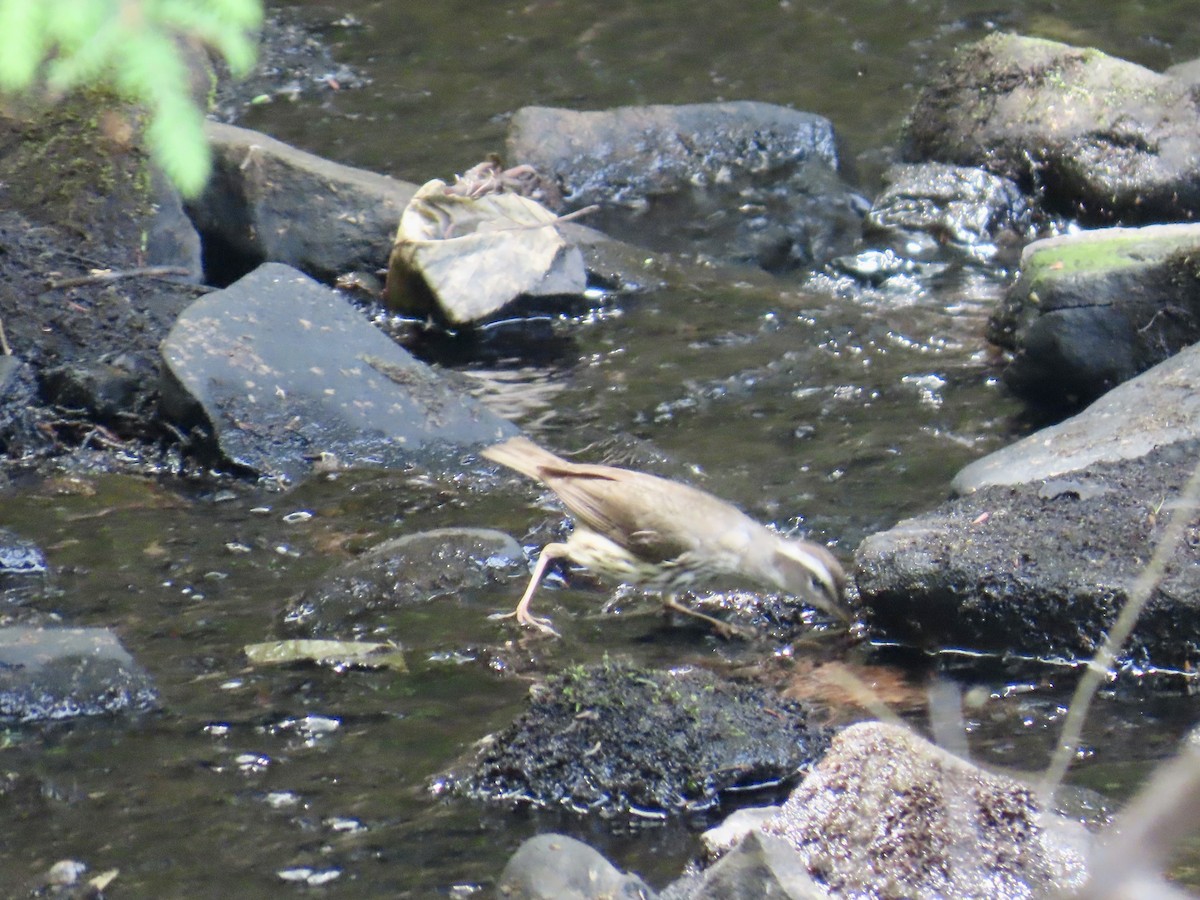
[(23, 42)]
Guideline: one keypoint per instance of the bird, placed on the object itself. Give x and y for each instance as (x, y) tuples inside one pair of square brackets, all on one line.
[(661, 535)]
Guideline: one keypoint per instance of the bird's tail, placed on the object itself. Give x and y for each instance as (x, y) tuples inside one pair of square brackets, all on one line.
[(524, 456)]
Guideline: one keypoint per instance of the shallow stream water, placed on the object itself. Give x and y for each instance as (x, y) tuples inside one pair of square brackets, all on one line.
[(832, 415)]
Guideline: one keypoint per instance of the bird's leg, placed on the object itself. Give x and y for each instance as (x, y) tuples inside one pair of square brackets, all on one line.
[(724, 629), (521, 613)]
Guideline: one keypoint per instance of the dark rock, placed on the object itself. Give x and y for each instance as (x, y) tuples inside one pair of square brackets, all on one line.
[(745, 182), (557, 867), (619, 740), (276, 370), (1039, 557), (60, 673), (887, 814), (761, 865), (1099, 138), (106, 389), (416, 568), (66, 165), (1093, 309), (1043, 573), (932, 205), (267, 201), (18, 399)]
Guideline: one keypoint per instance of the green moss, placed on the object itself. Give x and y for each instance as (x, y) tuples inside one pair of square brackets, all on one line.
[(79, 164), (1101, 255)]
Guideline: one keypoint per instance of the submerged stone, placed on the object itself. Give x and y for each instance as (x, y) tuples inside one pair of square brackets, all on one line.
[(62, 673)]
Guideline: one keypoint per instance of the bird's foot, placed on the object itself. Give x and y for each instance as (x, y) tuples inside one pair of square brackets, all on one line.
[(538, 623)]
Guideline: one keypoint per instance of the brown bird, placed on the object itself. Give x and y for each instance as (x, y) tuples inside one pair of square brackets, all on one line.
[(665, 536)]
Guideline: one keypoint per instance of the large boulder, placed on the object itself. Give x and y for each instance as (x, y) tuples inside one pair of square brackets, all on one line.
[(745, 182), (1099, 138), (1095, 308), (277, 371), (1039, 554), (887, 814), (268, 201)]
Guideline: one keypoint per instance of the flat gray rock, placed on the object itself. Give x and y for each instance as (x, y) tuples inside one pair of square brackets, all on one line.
[(277, 370), (1158, 408)]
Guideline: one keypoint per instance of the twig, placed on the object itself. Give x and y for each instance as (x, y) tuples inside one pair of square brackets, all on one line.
[(1099, 665), (5, 350), (99, 277)]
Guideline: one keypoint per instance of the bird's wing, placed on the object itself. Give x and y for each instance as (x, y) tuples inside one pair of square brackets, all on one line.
[(645, 513)]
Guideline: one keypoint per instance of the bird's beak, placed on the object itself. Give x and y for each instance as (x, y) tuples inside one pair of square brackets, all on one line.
[(813, 574)]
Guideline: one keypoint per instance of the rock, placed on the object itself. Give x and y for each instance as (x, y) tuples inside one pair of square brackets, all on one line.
[(932, 205), (1041, 574), (1159, 408), (1100, 138), (739, 823), (60, 673), (762, 865), (18, 399), (557, 867), (65, 166), (888, 814), (355, 599), (267, 201), (109, 389), (752, 182), (277, 370), (1095, 308), (617, 740), (19, 557), (1039, 556)]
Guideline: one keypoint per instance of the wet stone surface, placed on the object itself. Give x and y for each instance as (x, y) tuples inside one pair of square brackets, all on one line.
[(616, 740)]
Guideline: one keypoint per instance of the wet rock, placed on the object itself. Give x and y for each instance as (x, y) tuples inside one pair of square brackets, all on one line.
[(267, 201), (887, 814), (60, 673), (1042, 572), (19, 557), (928, 206), (1093, 309), (417, 568), (618, 740), (18, 398), (276, 370), (1038, 558), (107, 389), (557, 867), (1100, 139), (747, 182)]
